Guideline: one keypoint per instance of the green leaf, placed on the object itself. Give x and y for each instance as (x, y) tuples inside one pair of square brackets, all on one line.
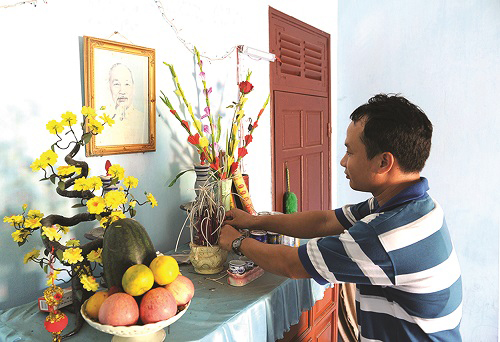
[(98, 217), (53, 178), (61, 185), (230, 106), (177, 177), (78, 205), (218, 130), (132, 212), (86, 137), (44, 179), (22, 242), (46, 252), (45, 268), (59, 254), (52, 147), (114, 181), (41, 264)]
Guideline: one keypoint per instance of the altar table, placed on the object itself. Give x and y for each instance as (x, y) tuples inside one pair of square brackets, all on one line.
[(259, 311)]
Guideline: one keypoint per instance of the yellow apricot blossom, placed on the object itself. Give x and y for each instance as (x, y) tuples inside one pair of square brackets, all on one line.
[(116, 171), (115, 198), (72, 255), (37, 165), (96, 205), (94, 126), (152, 199), (73, 243), (32, 223), (54, 127), (51, 233), (35, 253), (68, 119), (19, 235), (89, 283), (94, 183), (107, 119), (81, 184), (51, 277), (49, 157), (34, 213), (131, 182), (88, 111), (95, 256)]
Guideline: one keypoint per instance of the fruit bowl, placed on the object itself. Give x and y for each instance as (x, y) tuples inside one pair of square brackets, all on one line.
[(152, 332)]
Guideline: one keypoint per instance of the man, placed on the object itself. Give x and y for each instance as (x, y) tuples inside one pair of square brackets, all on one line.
[(395, 246), (130, 125)]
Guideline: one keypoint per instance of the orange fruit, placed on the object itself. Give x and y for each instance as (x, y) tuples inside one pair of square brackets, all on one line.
[(165, 269), (137, 280), (94, 304)]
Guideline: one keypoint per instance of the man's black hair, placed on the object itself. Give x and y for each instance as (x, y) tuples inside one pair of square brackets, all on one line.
[(394, 124)]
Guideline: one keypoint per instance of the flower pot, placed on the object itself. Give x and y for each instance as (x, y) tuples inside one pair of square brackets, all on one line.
[(207, 259)]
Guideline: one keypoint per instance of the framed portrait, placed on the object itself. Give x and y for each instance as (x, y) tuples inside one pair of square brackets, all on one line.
[(120, 82)]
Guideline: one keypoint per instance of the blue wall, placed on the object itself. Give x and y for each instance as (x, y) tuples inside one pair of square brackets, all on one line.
[(443, 56)]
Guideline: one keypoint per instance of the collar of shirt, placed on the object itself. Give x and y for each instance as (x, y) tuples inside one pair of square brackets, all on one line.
[(411, 193)]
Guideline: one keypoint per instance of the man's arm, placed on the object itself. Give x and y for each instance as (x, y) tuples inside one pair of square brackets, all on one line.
[(277, 259), (308, 224)]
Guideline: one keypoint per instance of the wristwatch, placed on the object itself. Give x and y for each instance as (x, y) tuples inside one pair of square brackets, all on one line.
[(237, 243)]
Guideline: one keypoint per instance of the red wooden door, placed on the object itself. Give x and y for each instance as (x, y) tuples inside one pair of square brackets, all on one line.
[(302, 141)]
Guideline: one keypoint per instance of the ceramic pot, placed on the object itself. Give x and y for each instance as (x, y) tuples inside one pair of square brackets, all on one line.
[(207, 259)]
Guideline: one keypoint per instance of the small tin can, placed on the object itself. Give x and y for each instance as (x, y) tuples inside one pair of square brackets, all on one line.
[(259, 235), (237, 266), (273, 238), (288, 241), (249, 264)]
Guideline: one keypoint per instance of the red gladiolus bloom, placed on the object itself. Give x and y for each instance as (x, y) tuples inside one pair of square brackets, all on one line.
[(248, 139), (245, 87), (173, 111), (194, 139), (215, 166), (185, 124), (255, 124), (242, 152), (234, 167)]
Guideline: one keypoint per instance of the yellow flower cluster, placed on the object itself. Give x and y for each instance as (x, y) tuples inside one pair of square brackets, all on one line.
[(47, 158), (91, 183)]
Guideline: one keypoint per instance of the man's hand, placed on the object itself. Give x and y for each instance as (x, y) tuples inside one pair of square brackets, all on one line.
[(239, 219), (227, 236)]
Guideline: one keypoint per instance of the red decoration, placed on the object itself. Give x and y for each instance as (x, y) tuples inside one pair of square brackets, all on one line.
[(107, 166), (56, 322), (245, 87)]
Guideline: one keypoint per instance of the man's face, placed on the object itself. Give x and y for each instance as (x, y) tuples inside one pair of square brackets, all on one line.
[(358, 169), (121, 86)]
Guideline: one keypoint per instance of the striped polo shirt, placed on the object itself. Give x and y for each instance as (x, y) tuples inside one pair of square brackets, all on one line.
[(400, 255)]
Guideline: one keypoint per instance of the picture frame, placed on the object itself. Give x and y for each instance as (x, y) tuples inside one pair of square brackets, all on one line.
[(119, 80)]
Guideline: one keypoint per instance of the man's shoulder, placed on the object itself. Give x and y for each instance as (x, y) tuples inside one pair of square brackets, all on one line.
[(413, 212)]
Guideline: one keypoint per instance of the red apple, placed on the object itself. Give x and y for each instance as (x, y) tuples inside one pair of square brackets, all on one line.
[(157, 305), (118, 310), (182, 289)]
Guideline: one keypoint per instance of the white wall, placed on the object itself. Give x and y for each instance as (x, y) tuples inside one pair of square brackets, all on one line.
[(443, 56), (41, 76)]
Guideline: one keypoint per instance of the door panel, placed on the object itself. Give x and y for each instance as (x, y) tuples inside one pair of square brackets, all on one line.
[(301, 141)]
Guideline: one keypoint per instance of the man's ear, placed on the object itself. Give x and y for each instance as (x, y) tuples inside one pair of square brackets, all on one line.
[(386, 162)]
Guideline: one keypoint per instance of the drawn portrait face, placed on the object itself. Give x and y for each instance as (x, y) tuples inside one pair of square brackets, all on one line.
[(121, 84)]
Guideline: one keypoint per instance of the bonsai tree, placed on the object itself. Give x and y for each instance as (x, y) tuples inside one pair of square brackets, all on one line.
[(100, 195)]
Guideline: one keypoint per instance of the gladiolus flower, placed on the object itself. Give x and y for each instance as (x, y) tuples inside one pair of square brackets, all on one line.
[(173, 111), (248, 139), (234, 167), (245, 87), (242, 151), (194, 139), (255, 124), (215, 166), (203, 142), (185, 124)]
